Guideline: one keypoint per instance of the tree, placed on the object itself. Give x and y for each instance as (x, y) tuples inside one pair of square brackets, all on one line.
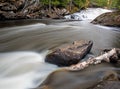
[(87, 3), (118, 4), (64, 3), (49, 5), (109, 3), (70, 6), (81, 3)]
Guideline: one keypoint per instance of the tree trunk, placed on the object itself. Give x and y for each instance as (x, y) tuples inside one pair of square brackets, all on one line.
[(112, 55), (87, 3), (50, 6), (109, 2), (70, 6)]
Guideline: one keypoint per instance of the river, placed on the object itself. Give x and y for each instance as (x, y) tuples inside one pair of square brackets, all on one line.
[(24, 45)]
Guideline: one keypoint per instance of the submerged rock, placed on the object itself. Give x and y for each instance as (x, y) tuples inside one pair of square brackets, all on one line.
[(101, 76), (108, 85), (108, 19), (67, 55)]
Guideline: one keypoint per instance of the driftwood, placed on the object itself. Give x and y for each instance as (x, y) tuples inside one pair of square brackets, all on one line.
[(110, 56)]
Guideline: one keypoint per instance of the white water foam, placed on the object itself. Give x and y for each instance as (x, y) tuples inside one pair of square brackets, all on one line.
[(88, 14), (108, 28), (27, 26), (21, 29), (23, 70)]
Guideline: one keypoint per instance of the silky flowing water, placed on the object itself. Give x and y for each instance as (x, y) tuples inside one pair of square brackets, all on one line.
[(25, 43)]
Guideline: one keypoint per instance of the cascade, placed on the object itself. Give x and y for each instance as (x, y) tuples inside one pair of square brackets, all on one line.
[(88, 14)]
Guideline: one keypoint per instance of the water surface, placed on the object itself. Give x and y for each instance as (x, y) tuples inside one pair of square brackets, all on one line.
[(24, 45)]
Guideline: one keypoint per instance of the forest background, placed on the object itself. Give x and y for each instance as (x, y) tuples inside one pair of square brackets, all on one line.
[(75, 5)]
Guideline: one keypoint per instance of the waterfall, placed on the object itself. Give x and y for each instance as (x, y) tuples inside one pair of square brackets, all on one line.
[(88, 14)]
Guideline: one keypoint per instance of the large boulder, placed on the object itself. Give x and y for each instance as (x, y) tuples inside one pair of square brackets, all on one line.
[(69, 54), (108, 19)]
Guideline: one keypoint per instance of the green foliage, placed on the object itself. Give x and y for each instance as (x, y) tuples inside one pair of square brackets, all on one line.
[(100, 3), (118, 4), (104, 3), (64, 3), (61, 3), (44, 2), (81, 3), (55, 2)]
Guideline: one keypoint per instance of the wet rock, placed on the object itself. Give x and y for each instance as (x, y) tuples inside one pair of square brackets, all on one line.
[(110, 81), (107, 85), (108, 19), (67, 55)]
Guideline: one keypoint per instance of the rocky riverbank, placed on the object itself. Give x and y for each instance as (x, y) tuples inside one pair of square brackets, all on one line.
[(111, 81), (27, 9), (108, 19)]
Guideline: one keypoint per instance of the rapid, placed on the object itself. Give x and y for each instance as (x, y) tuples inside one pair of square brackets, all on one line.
[(25, 43)]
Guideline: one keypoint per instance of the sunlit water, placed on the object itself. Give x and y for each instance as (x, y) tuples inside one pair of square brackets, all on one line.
[(24, 45)]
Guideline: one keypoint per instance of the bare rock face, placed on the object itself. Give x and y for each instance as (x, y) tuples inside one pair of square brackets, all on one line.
[(67, 55), (18, 9), (56, 13), (108, 19), (27, 9)]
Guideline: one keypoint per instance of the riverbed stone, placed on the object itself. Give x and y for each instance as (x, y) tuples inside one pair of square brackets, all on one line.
[(107, 85), (108, 19), (69, 54)]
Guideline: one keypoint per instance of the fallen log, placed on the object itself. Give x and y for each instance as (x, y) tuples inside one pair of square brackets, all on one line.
[(109, 56)]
